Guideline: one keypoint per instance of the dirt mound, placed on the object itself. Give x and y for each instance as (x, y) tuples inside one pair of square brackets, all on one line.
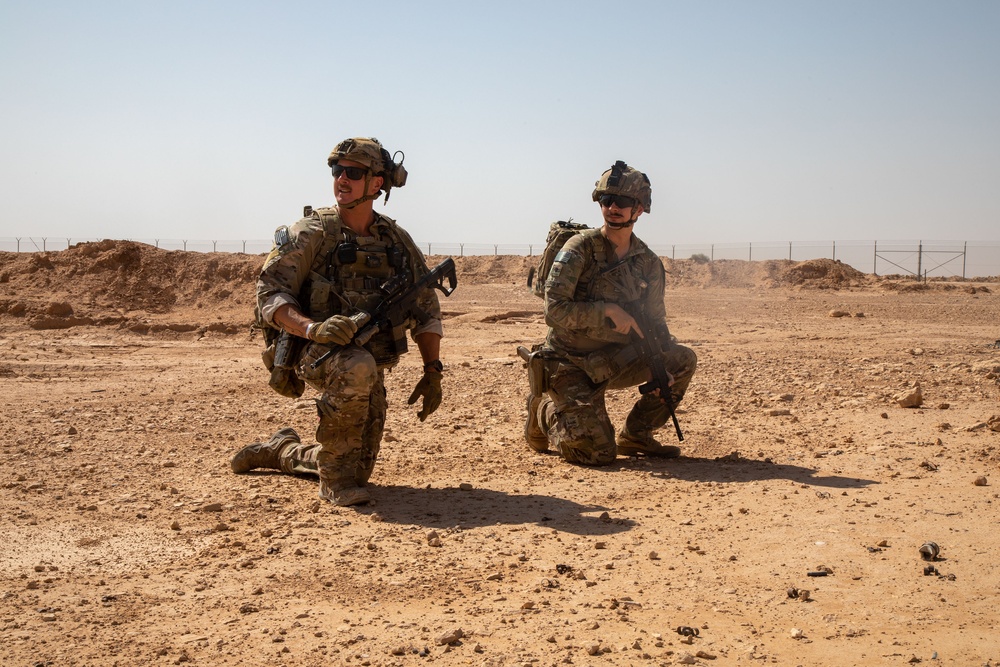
[(107, 281), (137, 285)]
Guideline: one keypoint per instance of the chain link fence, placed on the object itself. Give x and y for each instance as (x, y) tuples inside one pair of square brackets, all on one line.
[(927, 259)]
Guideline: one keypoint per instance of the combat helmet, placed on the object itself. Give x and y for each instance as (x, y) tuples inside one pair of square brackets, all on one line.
[(369, 152), (622, 179)]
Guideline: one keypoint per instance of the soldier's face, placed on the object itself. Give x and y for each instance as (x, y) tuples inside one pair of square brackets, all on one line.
[(347, 190), (618, 215)]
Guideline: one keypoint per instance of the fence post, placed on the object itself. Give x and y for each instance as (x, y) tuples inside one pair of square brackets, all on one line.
[(428, 248), (44, 248), (244, 247), (185, 244), (835, 251), (965, 249), (920, 258), (18, 243), (68, 243), (673, 252), (494, 250), (712, 258), (461, 250), (789, 251), (157, 243), (750, 255), (875, 259)]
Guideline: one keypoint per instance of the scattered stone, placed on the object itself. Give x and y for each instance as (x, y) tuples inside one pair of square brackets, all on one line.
[(212, 507), (994, 423), (450, 637), (593, 648), (465, 486), (175, 525), (980, 481), (797, 633), (943, 406), (839, 313), (654, 556), (911, 398), (686, 659), (779, 412)]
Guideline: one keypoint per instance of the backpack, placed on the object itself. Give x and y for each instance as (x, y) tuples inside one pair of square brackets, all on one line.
[(559, 232)]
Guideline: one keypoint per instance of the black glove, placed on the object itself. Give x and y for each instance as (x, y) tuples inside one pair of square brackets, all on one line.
[(430, 388)]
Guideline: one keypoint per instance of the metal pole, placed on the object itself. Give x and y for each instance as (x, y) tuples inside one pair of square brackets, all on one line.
[(673, 252), (920, 257), (244, 247), (44, 239), (428, 248), (494, 250), (789, 251), (875, 260), (965, 250), (712, 258), (157, 243), (835, 251), (213, 245), (750, 257), (185, 244), (18, 243)]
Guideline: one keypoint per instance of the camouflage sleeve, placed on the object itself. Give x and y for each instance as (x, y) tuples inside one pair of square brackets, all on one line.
[(287, 266), (428, 298), (655, 293), (561, 311)]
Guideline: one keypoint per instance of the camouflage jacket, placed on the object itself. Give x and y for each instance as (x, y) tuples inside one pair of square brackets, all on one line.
[(323, 268), (584, 276)]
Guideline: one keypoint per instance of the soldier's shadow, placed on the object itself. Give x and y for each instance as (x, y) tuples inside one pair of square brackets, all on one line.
[(738, 469), (469, 508)]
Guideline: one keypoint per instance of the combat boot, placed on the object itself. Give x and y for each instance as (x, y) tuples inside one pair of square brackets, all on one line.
[(533, 433), (264, 454), (631, 445), (352, 495)]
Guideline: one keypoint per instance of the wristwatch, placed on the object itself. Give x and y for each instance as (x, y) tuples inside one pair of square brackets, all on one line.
[(435, 365)]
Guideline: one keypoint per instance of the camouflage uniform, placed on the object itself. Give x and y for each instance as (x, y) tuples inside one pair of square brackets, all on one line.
[(323, 268), (595, 356)]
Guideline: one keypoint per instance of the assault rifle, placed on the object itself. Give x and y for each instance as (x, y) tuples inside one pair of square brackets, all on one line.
[(398, 303), (650, 348)]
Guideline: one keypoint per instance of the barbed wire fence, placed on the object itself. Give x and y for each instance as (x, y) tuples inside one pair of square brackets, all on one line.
[(923, 259)]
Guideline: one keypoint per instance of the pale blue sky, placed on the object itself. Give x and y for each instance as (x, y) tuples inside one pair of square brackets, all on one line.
[(755, 121)]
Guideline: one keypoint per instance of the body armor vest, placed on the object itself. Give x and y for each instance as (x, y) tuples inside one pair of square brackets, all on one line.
[(347, 276)]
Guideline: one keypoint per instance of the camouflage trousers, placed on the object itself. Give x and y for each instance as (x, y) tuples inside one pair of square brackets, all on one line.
[(575, 418), (351, 411)]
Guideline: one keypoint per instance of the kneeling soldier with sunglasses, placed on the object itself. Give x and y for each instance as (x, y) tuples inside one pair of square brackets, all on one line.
[(323, 272), (603, 283)]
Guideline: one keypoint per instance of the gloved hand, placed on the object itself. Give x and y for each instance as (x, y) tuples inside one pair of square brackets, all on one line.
[(430, 388), (337, 330)]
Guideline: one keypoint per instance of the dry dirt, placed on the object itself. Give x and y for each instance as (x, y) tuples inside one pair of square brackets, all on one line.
[(130, 376)]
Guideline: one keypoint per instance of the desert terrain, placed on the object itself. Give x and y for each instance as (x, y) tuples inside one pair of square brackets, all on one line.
[(788, 533)]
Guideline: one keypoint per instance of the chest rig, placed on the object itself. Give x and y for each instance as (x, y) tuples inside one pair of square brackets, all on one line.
[(347, 276), (607, 279)]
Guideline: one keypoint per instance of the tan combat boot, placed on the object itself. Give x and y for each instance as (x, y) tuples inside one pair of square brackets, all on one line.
[(631, 445), (533, 433), (264, 454)]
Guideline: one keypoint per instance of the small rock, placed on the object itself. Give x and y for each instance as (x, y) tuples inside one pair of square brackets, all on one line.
[(980, 481), (797, 633), (839, 313), (779, 412), (593, 648), (212, 507), (911, 398), (175, 525), (686, 659), (465, 486), (654, 556), (450, 637)]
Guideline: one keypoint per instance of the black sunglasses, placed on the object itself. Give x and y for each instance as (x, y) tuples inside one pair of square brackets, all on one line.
[(353, 173), (621, 201)]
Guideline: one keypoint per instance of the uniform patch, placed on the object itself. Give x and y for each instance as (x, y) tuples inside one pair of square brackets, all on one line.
[(563, 256), (281, 236)]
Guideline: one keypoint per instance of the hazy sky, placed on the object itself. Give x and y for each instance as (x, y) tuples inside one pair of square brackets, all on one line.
[(755, 121)]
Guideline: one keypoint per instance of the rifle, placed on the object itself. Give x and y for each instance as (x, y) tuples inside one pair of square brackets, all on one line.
[(650, 348), (399, 302)]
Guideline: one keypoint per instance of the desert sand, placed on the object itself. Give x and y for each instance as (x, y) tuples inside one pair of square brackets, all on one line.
[(131, 375)]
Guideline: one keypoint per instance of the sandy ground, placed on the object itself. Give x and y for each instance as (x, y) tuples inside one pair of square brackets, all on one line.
[(130, 376)]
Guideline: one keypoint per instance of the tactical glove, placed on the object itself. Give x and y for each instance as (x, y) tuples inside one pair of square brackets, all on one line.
[(337, 330), (430, 388)]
